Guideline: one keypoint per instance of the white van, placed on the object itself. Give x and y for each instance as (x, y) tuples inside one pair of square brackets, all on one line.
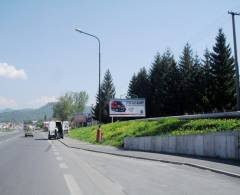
[(55, 130), (65, 125), (52, 130)]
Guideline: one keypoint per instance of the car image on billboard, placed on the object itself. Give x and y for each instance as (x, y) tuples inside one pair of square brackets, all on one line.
[(117, 106)]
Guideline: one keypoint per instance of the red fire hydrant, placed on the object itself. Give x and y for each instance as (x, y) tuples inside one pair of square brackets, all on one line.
[(99, 134)]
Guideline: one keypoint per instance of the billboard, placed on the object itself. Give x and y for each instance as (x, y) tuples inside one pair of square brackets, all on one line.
[(127, 107)]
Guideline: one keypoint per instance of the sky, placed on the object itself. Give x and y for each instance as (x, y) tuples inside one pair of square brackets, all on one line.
[(42, 57)]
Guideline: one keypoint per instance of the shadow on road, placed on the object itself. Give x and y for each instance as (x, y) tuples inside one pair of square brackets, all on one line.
[(48, 148), (41, 139)]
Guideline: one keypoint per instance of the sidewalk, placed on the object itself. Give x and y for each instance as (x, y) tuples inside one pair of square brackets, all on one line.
[(227, 167)]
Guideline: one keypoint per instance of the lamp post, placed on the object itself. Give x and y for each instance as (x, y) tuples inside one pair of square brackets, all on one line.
[(235, 58), (99, 68)]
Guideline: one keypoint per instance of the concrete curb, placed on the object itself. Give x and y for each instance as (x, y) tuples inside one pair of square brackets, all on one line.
[(158, 160)]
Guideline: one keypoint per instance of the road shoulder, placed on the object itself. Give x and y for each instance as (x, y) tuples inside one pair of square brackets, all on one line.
[(229, 168)]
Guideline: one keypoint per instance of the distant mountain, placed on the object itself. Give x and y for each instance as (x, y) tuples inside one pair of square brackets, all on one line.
[(31, 114), (6, 110), (27, 114)]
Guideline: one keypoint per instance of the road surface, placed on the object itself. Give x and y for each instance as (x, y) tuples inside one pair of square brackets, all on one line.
[(37, 166)]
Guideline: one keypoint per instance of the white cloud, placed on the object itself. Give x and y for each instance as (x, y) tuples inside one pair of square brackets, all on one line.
[(43, 100), (7, 103), (10, 72)]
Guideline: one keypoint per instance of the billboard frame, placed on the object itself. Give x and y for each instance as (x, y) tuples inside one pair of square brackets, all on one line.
[(127, 115)]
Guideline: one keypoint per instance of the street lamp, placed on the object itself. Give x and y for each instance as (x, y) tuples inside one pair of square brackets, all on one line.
[(99, 67)]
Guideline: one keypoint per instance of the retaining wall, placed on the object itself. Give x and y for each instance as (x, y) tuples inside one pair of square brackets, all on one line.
[(224, 145)]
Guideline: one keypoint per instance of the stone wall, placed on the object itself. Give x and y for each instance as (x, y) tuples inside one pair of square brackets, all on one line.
[(224, 145)]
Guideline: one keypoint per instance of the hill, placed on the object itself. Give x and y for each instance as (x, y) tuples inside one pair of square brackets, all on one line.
[(27, 114), (6, 110), (114, 133), (31, 114)]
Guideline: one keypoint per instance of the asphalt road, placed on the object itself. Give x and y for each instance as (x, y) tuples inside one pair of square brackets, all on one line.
[(37, 166)]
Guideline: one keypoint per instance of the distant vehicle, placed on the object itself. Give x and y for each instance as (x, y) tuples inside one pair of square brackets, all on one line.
[(60, 130), (28, 130), (37, 128), (52, 130), (46, 125), (118, 106), (55, 130), (65, 126)]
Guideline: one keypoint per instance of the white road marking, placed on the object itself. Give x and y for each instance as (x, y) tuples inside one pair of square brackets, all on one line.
[(10, 139), (63, 166), (59, 158), (72, 185)]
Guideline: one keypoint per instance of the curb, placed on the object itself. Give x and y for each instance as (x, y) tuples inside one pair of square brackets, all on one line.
[(158, 160)]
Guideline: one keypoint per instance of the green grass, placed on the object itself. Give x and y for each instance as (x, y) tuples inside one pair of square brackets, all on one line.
[(114, 133), (6, 130)]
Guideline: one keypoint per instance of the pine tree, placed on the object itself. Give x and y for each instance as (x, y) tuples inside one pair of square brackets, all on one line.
[(139, 87), (222, 72), (164, 78), (206, 83), (197, 85), (156, 80), (132, 86), (107, 91), (172, 79), (189, 73)]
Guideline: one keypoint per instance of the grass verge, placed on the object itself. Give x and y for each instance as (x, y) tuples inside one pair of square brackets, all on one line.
[(114, 133), (6, 130)]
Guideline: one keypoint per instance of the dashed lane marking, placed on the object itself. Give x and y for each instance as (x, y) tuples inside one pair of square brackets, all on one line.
[(72, 185), (59, 158), (63, 166)]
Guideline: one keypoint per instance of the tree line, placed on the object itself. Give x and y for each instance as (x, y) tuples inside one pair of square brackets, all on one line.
[(187, 86), (69, 104)]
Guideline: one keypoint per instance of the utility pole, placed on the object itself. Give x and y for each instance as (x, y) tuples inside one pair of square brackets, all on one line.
[(235, 56), (99, 72)]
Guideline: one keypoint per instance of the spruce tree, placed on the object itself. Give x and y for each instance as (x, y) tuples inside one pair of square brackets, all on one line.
[(156, 80), (222, 72), (139, 87), (132, 86), (206, 82), (197, 85), (107, 91), (164, 78), (189, 72), (172, 78)]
